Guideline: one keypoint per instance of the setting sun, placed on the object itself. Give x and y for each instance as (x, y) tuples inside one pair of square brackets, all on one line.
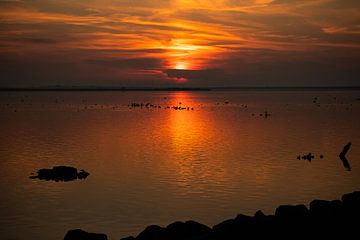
[(181, 66)]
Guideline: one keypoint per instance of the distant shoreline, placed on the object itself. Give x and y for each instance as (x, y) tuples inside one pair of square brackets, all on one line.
[(104, 89), (124, 89)]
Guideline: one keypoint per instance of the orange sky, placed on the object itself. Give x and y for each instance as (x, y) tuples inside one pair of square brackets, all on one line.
[(153, 43)]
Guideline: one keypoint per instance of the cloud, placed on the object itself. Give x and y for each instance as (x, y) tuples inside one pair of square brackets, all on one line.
[(212, 77), (342, 4), (219, 42), (286, 2), (132, 63)]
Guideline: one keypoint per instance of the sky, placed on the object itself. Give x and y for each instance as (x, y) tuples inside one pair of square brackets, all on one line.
[(188, 43)]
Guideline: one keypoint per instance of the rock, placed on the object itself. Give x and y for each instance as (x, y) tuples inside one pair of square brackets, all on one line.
[(79, 234), (246, 227), (292, 213), (234, 228), (292, 222), (82, 174), (176, 231), (351, 203), (187, 230), (329, 218), (324, 218), (244, 220), (152, 232), (319, 207), (352, 199), (60, 173), (322, 210), (264, 225), (259, 215), (227, 229)]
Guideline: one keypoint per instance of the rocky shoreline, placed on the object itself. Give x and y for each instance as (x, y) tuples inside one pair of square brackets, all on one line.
[(323, 219)]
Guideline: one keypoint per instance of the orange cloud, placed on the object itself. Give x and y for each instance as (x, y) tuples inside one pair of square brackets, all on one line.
[(181, 34)]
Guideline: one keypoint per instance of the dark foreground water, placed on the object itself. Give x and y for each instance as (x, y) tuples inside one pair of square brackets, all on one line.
[(157, 165)]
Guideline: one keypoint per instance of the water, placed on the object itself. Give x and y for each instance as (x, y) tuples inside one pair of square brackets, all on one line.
[(155, 166)]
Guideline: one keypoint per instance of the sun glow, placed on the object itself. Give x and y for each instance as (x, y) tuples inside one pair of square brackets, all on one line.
[(181, 66)]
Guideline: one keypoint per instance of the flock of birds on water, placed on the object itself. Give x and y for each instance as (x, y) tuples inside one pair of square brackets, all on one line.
[(25, 100), (180, 106), (149, 105), (308, 157)]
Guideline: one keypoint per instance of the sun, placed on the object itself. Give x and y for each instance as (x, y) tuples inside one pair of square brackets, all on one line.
[(181, 66)]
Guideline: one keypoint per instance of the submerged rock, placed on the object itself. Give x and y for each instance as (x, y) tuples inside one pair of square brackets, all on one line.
[(79, 234), (60, 173)]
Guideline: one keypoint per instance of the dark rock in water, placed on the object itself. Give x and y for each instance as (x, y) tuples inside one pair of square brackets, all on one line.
[(246, 227), (176, 231), (351, 198), (235, 228), (82, 174), (187, 230), (259, 215), (322, 210), (60, 173), (228, 229), (128, 238), (324, 218), (292, 222), (152, 232), (318, 206), (351, 203), (79, 234), (292, 213)]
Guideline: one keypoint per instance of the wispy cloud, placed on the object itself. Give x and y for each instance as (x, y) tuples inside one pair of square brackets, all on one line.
[(153, 36)]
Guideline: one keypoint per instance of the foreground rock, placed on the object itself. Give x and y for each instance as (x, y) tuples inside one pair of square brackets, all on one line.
[(79, 234), (60, 173), (176, 231), (324, 218)]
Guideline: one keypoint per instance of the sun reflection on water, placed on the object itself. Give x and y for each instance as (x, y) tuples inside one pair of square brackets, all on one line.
[(191, 132)]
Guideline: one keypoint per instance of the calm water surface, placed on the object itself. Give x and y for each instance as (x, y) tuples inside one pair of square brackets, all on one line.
[(158, 165)]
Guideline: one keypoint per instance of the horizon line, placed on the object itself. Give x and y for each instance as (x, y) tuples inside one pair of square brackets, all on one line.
[(122, 88)]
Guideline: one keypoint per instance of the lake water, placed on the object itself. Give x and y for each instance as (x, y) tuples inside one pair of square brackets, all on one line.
[(158, 165)]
